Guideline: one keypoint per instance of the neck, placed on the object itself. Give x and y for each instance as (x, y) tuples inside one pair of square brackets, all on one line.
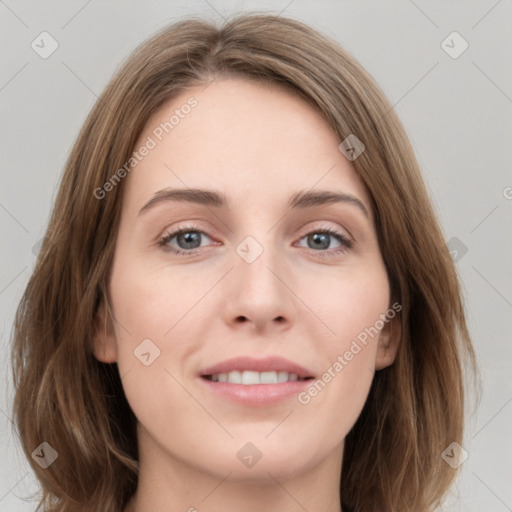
[(167, 484)]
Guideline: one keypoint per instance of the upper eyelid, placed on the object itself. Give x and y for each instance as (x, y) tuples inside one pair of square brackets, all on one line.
[(192, 227)]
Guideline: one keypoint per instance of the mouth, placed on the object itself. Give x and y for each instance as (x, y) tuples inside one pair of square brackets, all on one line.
[(250, 378), (251, 381)]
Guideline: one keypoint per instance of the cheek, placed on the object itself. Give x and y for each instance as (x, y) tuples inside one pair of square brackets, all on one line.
[(152, 343), (151, 302), (349, 305), (351, 310), (156, 331)]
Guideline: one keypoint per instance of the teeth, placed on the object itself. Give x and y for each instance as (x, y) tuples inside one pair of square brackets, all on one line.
[(268, 378), (250, 377), (282, 376)]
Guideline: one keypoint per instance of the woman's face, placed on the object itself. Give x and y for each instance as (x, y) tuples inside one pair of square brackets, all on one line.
[(243, 170)]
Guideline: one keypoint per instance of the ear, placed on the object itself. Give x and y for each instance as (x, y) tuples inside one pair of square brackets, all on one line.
[(388, 343), (104, 342)]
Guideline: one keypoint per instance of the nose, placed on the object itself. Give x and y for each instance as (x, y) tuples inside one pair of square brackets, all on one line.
[(259, 294)]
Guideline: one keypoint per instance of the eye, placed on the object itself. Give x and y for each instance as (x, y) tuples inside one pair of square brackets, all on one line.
[(321, 240), (188, 239)]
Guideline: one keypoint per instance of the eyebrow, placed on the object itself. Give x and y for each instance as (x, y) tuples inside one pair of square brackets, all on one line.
[(302, 199)]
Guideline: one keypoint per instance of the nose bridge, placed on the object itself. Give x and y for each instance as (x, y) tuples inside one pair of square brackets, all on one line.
[(257, 258), (259, 244)]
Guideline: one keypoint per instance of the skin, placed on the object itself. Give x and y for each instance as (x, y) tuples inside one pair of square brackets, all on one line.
[(258, 144)]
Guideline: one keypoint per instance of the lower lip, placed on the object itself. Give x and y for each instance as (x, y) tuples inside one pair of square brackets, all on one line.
[(257, 394)]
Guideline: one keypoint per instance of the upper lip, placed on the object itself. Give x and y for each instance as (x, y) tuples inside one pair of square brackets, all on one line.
[(268, 364)]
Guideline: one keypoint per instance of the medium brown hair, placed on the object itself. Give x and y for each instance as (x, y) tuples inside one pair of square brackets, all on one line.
[(65, 397)]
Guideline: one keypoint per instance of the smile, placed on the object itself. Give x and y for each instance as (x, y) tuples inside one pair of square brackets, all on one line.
[(248, 377)]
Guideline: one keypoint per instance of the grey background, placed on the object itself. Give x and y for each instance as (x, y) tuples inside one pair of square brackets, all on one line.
[(457, 113)]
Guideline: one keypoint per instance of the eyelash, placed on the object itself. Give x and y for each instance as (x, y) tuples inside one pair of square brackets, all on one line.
[(345, 242)]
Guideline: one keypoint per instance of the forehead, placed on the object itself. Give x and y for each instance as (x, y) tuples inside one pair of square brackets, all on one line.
[(241, 136)]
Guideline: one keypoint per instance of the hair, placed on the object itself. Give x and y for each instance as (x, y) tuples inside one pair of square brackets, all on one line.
[(66, 397)]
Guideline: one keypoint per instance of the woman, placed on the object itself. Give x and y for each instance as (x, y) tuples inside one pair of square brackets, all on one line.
[(243, 299)]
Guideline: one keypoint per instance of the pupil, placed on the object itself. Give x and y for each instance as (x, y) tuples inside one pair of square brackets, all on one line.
[(320, 240), (190, 239)]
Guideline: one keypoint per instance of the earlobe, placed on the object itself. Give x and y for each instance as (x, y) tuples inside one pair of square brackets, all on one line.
[(388, 343), (104, 342)]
